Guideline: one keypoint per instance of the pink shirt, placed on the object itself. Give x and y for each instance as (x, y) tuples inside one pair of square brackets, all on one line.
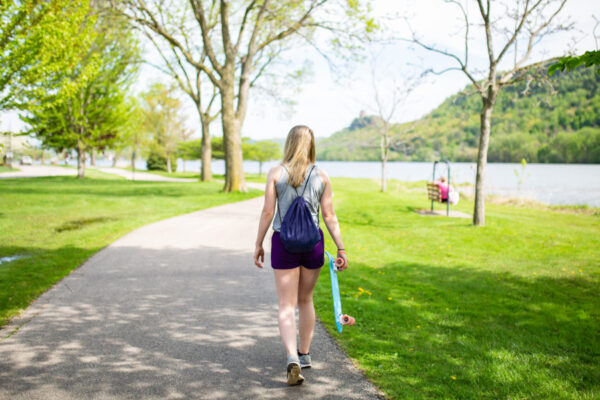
[(443, 189)]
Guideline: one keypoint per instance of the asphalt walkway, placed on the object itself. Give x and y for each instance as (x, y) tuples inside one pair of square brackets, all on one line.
[(173, 310)]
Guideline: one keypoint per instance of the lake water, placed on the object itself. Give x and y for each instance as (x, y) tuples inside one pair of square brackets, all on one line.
[(549, 183)]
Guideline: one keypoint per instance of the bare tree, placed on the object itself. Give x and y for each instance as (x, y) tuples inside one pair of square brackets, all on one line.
[(518, 22), (390, 95), (239, 42)]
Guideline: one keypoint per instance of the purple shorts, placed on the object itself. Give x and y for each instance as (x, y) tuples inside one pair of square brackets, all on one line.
[(282, 259)]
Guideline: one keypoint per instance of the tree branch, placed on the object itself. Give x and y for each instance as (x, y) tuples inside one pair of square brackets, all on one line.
[(243, 24), (204, 28), (295, 26), (530, 44)]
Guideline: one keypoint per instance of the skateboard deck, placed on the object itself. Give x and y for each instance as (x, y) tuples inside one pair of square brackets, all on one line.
[(335, 291)]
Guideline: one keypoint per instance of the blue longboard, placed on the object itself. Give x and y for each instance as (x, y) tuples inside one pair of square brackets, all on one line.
[(335, 291)]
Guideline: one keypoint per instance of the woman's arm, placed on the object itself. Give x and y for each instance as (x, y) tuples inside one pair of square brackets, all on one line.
[(266, 217), (330, 219)]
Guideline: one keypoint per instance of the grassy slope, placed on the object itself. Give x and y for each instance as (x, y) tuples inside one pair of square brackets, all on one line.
[(59, 222), (7, 169), (561, 122), (447, 310)]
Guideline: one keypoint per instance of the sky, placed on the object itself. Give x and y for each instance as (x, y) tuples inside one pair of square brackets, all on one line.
[(328, 102)]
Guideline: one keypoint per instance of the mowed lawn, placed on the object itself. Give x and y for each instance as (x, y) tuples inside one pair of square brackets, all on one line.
[(447, 310), (56, 223)]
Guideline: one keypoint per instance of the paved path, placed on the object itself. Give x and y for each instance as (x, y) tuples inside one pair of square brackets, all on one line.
[(32, 171), (143, 176), (173, 310)]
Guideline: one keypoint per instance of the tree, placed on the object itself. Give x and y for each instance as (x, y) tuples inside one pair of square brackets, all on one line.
[(89, 110), (528, 21), (190, 80), (240, 41), (261, 151), (132, 136), (165, 120), (31, 63), (390, 93), (191, 150)]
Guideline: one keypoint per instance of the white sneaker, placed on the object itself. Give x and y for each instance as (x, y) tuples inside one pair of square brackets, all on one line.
[(294, 377)]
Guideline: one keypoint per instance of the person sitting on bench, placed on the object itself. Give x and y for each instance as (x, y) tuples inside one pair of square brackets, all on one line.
[(444, 188)]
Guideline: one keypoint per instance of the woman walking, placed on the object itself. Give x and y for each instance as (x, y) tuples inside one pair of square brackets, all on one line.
[(296, 273)]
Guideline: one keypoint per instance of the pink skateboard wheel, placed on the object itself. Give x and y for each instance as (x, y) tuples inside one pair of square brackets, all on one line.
[(348, 320), (339, 262)]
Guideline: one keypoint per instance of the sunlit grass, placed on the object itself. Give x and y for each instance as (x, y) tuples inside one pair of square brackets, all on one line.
[(448, 310), (57, 223)]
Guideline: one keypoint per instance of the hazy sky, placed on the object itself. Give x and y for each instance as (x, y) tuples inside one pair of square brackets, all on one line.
[(328, 106)]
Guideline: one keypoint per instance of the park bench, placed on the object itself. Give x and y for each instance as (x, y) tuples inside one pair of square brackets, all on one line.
[(434, 194), (433, 190)]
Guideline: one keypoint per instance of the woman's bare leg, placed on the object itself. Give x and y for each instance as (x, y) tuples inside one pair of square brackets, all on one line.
[(287, 281), (306, 308)]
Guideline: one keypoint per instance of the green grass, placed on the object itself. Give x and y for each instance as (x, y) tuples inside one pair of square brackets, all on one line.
[(443, 309), (59, 222), (448, 310), (4, 168), (196, 174)]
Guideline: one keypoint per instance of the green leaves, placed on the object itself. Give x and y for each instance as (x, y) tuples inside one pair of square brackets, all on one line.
[(83, 104), (588, 59), (39, 40)]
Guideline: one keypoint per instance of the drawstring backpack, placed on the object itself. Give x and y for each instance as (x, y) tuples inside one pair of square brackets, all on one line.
[(298, 232)]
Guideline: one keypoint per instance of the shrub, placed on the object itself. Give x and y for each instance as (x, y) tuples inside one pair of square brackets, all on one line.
[(157, 161)]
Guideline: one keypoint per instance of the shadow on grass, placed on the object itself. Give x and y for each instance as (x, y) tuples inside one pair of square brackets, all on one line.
[(80, 223), (499, 335)]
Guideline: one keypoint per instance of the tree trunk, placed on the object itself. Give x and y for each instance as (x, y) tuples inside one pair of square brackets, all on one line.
[(80, 160), (93, 157), (206, 171), (168, 163), (133, 160), (384, 156), (260, 168), (484, 139), (232, 141), (114, 163), (42, 157)]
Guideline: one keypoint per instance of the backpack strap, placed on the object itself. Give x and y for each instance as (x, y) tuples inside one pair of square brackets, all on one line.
[(307, 179), (296, 189)]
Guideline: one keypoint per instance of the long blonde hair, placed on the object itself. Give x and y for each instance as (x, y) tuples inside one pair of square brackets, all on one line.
[(299, 153)]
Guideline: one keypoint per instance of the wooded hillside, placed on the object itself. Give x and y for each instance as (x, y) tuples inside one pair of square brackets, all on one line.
[(542, 119)]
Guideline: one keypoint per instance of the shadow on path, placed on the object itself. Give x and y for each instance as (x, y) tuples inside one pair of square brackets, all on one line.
[(148, 317)]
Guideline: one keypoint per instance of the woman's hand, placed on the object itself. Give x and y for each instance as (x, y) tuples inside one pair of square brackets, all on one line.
[(259, 256), (342, 255)]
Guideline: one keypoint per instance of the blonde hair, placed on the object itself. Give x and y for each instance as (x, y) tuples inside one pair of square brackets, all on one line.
[(299, 153)]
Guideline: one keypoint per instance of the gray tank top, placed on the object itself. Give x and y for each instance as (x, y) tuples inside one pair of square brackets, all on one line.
[(286, 194)]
